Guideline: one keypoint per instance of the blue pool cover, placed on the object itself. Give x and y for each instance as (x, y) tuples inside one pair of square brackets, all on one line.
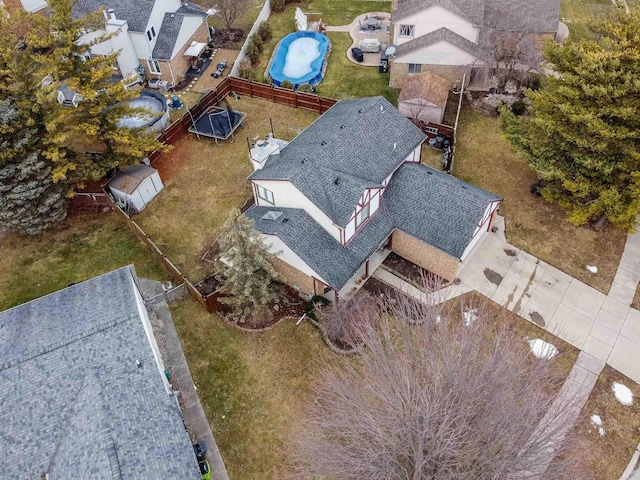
[(315, 75)]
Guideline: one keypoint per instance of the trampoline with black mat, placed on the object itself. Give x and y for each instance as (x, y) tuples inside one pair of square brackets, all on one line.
[(218, 123)]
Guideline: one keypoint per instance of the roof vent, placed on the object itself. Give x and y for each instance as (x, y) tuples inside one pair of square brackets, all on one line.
[(323, 143), (429, 173), (394, 145), (382, 108), (271, 215), (285, 220), (138, 363), (360, 111), (304, 160), (343, 126), (337, 181)]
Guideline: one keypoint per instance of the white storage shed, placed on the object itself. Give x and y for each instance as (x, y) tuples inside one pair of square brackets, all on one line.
[(136, 186)]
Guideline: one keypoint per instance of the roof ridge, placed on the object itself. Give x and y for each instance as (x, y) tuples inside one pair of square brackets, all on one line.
[(69, 340)]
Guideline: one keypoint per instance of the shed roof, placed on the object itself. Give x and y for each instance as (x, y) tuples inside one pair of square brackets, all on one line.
[(75, 404), (426, 85), (131, 177)]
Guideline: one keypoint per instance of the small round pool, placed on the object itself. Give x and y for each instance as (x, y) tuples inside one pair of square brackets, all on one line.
[(152, 102), (300, 58)]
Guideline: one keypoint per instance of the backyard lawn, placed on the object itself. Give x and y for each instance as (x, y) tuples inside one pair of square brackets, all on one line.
[(343, 79), (484, 158), (609, 453), (577, 13), (203, 182), (83, 247)]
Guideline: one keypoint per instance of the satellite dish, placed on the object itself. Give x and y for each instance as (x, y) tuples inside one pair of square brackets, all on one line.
[(390, 51)]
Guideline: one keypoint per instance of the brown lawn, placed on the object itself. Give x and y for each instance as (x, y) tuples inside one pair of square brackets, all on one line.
[(203, 182), (484, 158)]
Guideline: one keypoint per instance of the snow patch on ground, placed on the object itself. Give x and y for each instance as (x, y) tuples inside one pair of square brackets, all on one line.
[(470, 316), (596, 421), (542, 349), (622, 393)]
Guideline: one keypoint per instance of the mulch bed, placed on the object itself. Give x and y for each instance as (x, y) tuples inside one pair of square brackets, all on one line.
[(409, 271)]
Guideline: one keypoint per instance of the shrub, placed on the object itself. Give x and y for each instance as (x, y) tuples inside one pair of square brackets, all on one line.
[(306, 88), (257, 41), (312, 306), (347, 322), (264, 30), (252, 53), (518, 107), (533, 81), (278, 5), (286, 84), (245, 70)]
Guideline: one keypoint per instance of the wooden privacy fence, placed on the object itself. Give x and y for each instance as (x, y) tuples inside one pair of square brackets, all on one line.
[(210, 302), (241, 86)]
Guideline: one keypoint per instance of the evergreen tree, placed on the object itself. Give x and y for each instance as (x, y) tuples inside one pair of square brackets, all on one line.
[(246, 267), (583, 138), (29, 200), (92, 131)]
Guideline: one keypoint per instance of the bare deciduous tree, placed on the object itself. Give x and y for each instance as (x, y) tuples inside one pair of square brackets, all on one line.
[(347, 322), (230, 11), (455, 396)]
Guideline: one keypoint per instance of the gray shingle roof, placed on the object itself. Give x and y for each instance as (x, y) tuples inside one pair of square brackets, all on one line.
[(167, 36), (74, 402), (191, 8), (430, 205), (473, 10), (437, 208), (538, 16), (349, 148), (136, 13), (438, 35)]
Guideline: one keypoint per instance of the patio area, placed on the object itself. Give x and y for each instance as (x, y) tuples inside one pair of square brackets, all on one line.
[(368, 26), (203, 82)]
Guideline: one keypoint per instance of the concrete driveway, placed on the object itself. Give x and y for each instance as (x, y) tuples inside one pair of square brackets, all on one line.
[(604, 326)]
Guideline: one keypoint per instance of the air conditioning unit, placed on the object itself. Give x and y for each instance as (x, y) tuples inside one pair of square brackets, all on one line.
[(163, 85), (153, 83)]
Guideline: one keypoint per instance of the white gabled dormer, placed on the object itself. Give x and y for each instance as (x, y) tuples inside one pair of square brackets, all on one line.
[(368, 204)]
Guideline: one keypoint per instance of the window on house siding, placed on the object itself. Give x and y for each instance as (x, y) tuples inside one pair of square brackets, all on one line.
[(151, 33), (350, 230), (265, 194), (407, 30), (154, 67), (414, 68), (362, 215)]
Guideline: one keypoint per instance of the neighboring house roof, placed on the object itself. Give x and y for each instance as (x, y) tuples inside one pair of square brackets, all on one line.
[(441, 34), (131, 177), (539, 16), (473, 10), (427, 86), (430, 205), (75, 404), (170, 29), (136, 13), (355, 145)]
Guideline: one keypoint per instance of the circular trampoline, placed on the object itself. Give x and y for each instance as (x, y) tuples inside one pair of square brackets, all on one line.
[(300, 58)]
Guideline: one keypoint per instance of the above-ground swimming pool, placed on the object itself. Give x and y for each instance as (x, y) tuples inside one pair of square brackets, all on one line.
[(300, 58), (157, 118)]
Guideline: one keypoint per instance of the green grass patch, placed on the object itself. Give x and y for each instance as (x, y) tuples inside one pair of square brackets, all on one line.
[(252, 386), (343, 12), (345, 79), (576, 14), (83, 247)]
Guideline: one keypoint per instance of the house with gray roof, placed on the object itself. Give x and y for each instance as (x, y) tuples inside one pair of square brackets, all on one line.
[(454, 37), (83, 389), (158, 38), (336, 200)]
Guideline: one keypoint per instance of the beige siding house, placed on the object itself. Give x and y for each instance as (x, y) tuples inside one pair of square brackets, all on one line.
[(454, 37), (335, 201)]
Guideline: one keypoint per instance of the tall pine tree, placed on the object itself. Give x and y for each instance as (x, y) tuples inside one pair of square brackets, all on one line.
[(583, 137)]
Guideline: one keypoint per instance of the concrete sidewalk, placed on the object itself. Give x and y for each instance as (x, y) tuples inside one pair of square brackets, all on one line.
[(603, 326)]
